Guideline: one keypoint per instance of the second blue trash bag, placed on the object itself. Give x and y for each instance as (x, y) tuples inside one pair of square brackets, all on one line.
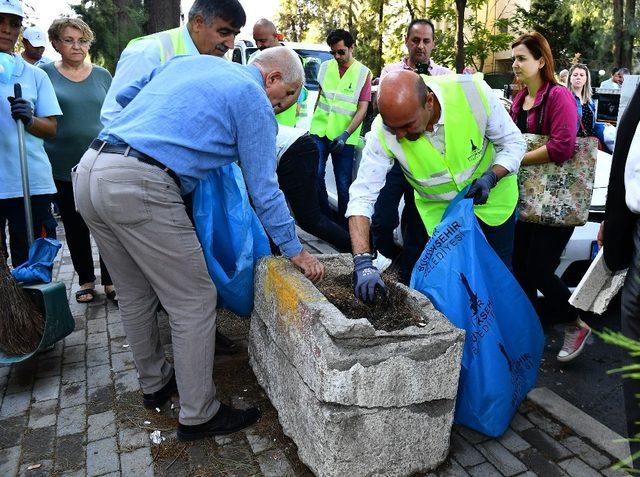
[(466, 281), (231, 235), (38, 267)]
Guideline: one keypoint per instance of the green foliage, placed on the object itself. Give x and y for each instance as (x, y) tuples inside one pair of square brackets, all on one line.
[(114, 24)]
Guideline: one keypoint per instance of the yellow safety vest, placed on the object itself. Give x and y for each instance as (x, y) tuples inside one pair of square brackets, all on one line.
[(338, 101), (288, 117), (438, 178), (171, 43)]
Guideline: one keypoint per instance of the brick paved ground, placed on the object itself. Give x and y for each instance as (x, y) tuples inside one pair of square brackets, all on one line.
[(75, 411)]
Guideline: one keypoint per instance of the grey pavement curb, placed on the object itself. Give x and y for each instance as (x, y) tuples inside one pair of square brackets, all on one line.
[(580, 422)]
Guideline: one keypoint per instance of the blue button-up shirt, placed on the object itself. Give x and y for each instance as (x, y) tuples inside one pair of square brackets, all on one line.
[(136, 61), (197, 113)]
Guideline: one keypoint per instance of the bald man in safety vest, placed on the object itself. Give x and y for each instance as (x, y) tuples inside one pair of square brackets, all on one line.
[(447, 133)]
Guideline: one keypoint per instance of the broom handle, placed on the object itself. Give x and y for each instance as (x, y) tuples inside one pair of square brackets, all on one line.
[(24, 169)]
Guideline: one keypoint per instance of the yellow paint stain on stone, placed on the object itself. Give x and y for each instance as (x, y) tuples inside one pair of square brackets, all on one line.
[(288, 290)]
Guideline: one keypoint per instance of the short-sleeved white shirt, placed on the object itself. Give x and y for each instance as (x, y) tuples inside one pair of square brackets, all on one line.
[(37, 88)]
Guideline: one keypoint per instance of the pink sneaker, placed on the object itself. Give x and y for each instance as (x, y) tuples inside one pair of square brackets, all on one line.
[(575, 338)]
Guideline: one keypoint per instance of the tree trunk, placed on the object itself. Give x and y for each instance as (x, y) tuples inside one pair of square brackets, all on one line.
[(618, 25), (461, 6), (380, 32), (626, 55), (161, 15)]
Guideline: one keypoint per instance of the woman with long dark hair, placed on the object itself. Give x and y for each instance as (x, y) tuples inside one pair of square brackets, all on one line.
[(544, 107)]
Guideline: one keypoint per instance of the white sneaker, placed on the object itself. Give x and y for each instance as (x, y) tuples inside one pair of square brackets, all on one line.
[(575, 337), (381, 262)]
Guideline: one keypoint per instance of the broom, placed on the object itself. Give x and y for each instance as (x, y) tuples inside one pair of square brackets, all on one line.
[(21, 324)]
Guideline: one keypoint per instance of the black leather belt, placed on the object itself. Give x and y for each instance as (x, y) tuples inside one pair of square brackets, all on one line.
[(127, 151)]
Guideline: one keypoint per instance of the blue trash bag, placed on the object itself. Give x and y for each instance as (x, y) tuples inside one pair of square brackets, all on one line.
[(231, 235), (466, 281), (38, 267)]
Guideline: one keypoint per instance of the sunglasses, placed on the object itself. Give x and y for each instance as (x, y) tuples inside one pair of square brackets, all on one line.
[(339, 52)]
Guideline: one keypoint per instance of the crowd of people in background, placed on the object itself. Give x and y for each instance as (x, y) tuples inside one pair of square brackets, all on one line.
[(67, 103)]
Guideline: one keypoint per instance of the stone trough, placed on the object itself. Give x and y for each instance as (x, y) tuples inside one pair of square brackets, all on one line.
[(356, 401)]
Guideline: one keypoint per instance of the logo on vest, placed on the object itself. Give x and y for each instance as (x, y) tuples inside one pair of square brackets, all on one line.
[(475, 154)]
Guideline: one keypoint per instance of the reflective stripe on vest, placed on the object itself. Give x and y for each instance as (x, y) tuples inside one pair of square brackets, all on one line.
[(338, 100), (437, 179), (171, 43)]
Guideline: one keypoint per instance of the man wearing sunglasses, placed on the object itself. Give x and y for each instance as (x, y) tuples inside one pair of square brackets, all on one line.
[(345, 93)]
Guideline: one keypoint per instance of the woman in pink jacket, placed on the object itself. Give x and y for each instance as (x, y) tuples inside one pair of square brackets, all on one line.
[(545, 107)]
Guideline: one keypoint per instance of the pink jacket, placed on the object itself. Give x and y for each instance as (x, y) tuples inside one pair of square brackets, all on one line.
[(559, 118)]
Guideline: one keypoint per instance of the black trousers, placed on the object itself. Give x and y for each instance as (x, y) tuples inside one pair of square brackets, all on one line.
[(631, 329), (12, 212), (78, 237), (385, 220), (536, 255), (297, 177)]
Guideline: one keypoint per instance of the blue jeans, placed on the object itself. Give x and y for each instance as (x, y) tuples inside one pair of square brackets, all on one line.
[(343, 170)]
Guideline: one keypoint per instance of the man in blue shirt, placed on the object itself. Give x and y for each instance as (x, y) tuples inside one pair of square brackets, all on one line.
[(192, 115)]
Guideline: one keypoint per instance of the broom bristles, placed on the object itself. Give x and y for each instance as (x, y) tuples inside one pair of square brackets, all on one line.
[(21, 323)]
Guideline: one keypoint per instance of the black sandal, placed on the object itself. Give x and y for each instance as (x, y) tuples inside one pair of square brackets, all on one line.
[(112, 296), (85, 292)]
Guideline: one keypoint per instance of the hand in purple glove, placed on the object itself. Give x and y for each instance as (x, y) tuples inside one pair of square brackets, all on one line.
[(481, 187), (21, 109), (366, 278)]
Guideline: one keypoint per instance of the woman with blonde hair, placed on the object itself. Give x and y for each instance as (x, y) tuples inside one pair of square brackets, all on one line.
[(81, 88), (579, 83)]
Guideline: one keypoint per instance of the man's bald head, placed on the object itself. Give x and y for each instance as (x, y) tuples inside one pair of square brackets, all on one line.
[(283, 75), (405, 104), (265, 34)]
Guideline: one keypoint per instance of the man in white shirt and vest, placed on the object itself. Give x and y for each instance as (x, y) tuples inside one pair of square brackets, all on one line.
[(447, 133), (345, 93), (211, 30), (420, 41)]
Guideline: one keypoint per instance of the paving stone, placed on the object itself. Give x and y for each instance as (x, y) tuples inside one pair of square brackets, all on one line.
[(100, 399), (97, 356), (484, 470), (97, 326), (73, 394), (70, 452), (97, 340), (259, 443), (44, 469), (587, 453), (102, 457), (119, 345), (71, 420), (453, 469), (38, 444), (613, 473), (9, 461), (113, 315), (545, 444), (513, 441), (74, 473), (576, 468), (15, 404), (78, 337), (96, 311), (99, 376), (116, 330), (132, 439), (81, 322), (73, 373), (501, 458), (43, 414), (137, 462), (463, 452), (539, 464), (126, 381), (21, 379), (122, 361), (470, 435), (544, 423), (101, 425), (46, 388), (73, 354), (275, 464), (520, 423), (49, 367), (77, 309), (12, 430)]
